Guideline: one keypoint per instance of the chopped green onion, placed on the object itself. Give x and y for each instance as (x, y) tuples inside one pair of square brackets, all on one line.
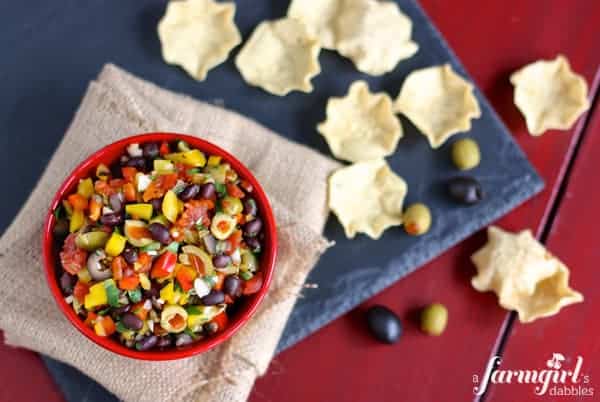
[(112, 293), (193, 171), (104, 311), (183, 146), (190, 333), (151, 247), (121, 328), (211, 279), (246, 275), (193, 310), (221, 189), (58, 211), (173, 247), (135, 295)]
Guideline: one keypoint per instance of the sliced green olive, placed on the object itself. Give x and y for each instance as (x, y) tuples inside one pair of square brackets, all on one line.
[(160, 219), (91, 241), (232, 205), (204, 257), (249, 261), (218, 173), (222, 226)]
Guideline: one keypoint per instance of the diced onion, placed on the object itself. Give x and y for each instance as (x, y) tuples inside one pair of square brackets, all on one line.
[(201, 287), (134, 150)]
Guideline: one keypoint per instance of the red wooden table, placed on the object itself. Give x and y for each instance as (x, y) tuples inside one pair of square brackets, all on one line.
[(342, 363)]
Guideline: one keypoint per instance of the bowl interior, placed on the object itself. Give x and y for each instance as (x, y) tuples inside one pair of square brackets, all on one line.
[(244, 308)]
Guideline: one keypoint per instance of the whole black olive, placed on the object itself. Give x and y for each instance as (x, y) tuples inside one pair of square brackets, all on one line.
[(384, 324), (465, 189)]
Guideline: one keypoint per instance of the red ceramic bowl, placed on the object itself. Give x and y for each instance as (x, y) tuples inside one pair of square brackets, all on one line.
[(249, 304)]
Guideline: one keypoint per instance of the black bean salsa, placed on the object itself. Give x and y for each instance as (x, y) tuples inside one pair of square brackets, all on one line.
[(156, 249)]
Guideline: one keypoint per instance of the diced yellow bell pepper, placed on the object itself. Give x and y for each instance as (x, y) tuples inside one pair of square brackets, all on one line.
[(163, 166), (183, 298), (115, 244), (77, 220), (170, 206), (144, 281), (85, 188), (168, 293), (214, 160), (68, 208), (96, 297), (84, 276), (180, 206), (194, 158), (195, 322), (139, 211)]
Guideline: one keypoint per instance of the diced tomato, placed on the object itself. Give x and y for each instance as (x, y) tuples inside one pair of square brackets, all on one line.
[(253, 285), (234, 191), (181, 170), (164, 265), (78, 202), (80, 290), (129, 192), (197, 264), (104, 326), (234, 241), (164, 148), (159, 186), (220, 280), (221, 320), (95, 207), (194, 211), (139, 310), (185, 276), (101, 187), (90, 319), (246, 186), (72, 258), (129, 281), (129, 173), (143, 263), (116, 183), (240, 218), (117, 265), (228, 299)]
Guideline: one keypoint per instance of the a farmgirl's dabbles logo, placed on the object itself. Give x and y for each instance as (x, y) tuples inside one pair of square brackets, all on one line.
[(556, 379)]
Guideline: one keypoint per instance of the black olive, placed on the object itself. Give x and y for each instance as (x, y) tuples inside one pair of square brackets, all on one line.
[(465, 189), (384, 324)]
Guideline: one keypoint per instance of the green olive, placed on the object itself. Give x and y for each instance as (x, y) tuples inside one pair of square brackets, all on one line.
[(91, 241), (434, 319), (417, 219), (465, 154)]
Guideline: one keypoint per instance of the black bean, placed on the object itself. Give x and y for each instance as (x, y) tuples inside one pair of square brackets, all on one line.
[(253, 227), (164, 341), (132, 321), (465, 190), (221, 261), (137, 162), (250, 206), (67, 282), (116, 202), (113, 219), (253, 244), (159, 233), (189, 192), (61, 228), (232, 286), (156, 203), (214, 297), (146, 343), (130, 255), (115, 171), (208, 190), (121, 310), (123, 160), (384, 324), (183, 339), (210, 328), (150, 150)]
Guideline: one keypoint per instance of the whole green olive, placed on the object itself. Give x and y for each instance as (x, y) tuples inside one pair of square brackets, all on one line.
[(434, 319), (417, 219), (465, 154)]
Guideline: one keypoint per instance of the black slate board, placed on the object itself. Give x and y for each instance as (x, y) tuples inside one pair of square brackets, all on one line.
[(53, 49)]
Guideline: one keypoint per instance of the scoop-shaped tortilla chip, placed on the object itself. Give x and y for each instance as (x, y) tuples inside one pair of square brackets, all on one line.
[(375, 35), (439, 103), (367, 197), (319, 17), (280, 56), (523, 274), (361, 126), (198, 35), (549, 94)]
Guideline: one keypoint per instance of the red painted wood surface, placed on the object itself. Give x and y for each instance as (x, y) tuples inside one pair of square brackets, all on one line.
[(340, 362), (575, 331)]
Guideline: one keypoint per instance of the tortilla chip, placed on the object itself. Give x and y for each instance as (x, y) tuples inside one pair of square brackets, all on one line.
[(367, 197), (523, 274), (375, 35), (198, 35), (439, 103), (280, 56), (319, 17), (361, 126), (549, 95)]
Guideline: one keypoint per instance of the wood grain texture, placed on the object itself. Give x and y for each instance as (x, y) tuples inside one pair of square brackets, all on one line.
[(575, 330), (340, 362)]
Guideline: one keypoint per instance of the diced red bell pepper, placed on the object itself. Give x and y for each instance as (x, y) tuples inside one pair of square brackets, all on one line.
[(78, 202), (246, 186), (104, 326), (194, 211), (90, 319), (129, 192), (159, 186), (95, 206), (234, 191), (234, 241), (185, 276), (130, 280), (220, 280), (117, 265), (143, 263), (164, 148), (164, 265), (129, 173), (80, 290), (253, 284), (139, 310), (101, 187), (221, 320)]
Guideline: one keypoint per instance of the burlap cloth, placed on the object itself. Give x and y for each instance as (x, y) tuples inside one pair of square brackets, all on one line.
[(116, 105)]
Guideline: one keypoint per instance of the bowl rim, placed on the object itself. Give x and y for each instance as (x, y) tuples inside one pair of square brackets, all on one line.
[(268, 259)]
